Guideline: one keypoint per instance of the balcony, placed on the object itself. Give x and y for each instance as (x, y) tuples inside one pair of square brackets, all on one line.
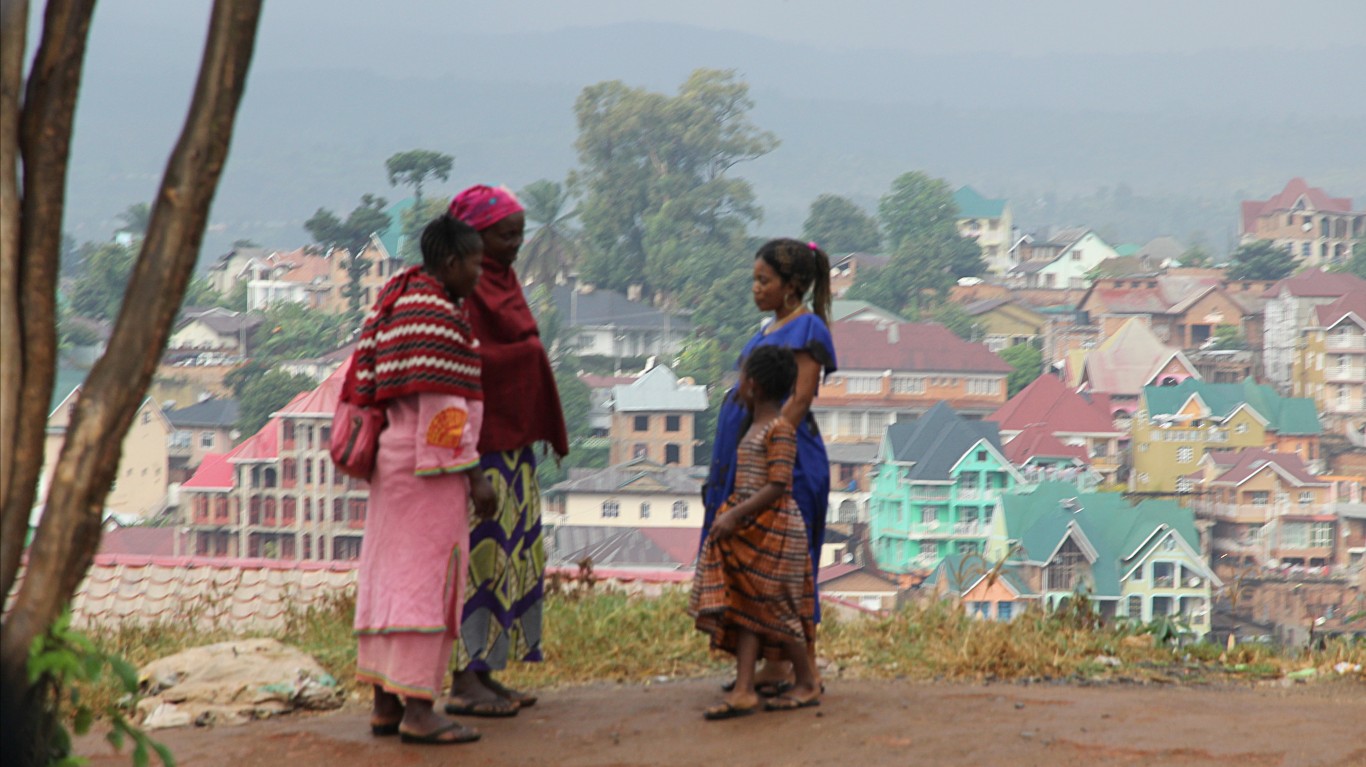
[(1348, 374), (1335, 405), (1346, 343), (1238, 512)]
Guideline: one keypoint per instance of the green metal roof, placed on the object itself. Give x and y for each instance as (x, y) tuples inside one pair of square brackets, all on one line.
[(1284, 415), (392, 237), (973, 205), (1120, 534)]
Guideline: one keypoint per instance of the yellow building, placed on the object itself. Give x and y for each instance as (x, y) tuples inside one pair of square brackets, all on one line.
[(1329, 366)]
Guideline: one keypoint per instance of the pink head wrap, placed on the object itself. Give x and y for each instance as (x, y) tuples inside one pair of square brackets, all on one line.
[(483, 206)]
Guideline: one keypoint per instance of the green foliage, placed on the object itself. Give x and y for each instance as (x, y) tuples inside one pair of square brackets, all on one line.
[(1027, 362), (553, 248), (330, 232), (97, 291), (260, 395), (919, 224), (293, 331), (200, 293), (236, 299), (840, 226), (1228, 337), (135, 219), (1261, 260), (1196, 256), (1357, 263), (411, 223), (415, 166), (657, 207), (575, 399), (245, 242), (956, 318), (61, 663)]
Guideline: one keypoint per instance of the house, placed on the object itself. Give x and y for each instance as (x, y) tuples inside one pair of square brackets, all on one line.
[(844, 270), (938, 479), (1118, 369), (1065, 260), (1139, 562), (895, 371), (990, 224), (277, 495), (1177, 424), (621, 549), (226, 270), (209, 426), (1313, 227), (1330, 362), (860, 585), (142, 485), (1047, 408), (298, 277), (851, 309), (213, 335), (654, 417), (851, 468), (600, 390), (1007, 323), (605, 323), (1290, 307), (1183, 307), (1265, 508), (987, 592), (637, 493)]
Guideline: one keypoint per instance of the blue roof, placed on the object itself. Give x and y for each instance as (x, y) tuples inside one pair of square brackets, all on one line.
[(973, 205), (937, 441)]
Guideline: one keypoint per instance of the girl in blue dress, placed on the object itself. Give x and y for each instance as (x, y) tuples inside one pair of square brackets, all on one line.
[(787, 274)]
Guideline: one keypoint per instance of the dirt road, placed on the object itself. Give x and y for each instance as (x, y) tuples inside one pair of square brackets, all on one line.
[(860, 724)]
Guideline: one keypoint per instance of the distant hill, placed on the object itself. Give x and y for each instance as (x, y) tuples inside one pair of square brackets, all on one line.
[(1173, 141)]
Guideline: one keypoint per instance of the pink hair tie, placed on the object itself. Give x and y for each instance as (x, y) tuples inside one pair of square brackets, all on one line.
[(812, 245)]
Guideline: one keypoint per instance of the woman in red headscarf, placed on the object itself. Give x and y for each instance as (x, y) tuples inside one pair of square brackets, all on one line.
[(503, 601)]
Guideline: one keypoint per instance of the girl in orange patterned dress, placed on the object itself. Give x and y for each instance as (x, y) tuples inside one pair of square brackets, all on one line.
[(753, 591)]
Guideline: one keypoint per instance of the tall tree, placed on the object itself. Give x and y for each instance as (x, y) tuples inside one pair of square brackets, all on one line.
[(1261, 260), (411, 223), (415, 166), (552, 248), (658, 209), (135, 219), (1027, 362), (97, 290), (352, 235), (293, 331), (838, 225), (919, 223), (37, 134)]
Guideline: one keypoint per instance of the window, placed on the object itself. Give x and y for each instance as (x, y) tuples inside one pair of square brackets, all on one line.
[(1260, 497), (206, 439), (671, 453), (1240, 429), (1138, 572), (982, 608), (1184, 485), (680, 510), (984, 386), (1136, 607), (928, 516), (1306, 497), (672, 423), (863, 384), (610, 509), (638, 451), (644, 509), (1164, 575), (642, 423), (1323, 535), (908, 385), (1185, 454), (1163, 605), (1003, 610), (981, 456)]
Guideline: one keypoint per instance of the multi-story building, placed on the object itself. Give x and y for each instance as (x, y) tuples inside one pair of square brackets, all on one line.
[(1313, 227), (638, 493), (990, 224), (605, 323), (1265, 508), (1006, 322), (141, 488), (1177, 424), (654, 418), (1115, 372), (1183, 307), (209, 426), (1330, 363), (1065, 260), (1140, 562), (277, 495), (1068, 417), (1290, 310), (938, 479), (895, 371)]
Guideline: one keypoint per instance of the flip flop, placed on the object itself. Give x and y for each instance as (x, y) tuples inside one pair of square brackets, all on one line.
[(463, 735), (789, 703), (489, 709), (772, 689), (727, 711), (523, 699), (728, 686), (381, 730)]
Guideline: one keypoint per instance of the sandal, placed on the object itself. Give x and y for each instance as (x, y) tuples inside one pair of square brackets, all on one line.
[(381, 730), (489, 709), (772, 689), (789, 703), (727, 711), (463, 734), (522, 699)]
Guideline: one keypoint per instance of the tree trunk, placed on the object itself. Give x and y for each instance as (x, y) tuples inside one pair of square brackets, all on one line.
[(13, 38), (69, 533)]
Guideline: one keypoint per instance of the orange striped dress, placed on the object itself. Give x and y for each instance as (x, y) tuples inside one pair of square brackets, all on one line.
[(759, 579)]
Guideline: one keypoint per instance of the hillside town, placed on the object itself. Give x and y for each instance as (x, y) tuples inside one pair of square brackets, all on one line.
[(1131, 422)]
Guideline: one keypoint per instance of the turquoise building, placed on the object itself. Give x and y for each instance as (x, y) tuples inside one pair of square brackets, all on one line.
[(937, 484)]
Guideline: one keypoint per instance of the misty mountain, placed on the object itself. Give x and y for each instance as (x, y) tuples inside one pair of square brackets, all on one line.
[(1140, 144)]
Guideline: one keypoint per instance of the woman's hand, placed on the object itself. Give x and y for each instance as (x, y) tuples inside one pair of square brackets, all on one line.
[(725, 525), (482, 497)]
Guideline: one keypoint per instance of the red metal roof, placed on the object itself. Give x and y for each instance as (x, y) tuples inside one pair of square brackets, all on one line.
[(1317, 283), (1037, 441), (214, 473), (1251, 460), (1352, 302), (264, 445), (910, 346), (1049, 402)]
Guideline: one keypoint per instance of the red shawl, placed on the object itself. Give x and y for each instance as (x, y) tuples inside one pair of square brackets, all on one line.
[(415, 339), (521, 403)]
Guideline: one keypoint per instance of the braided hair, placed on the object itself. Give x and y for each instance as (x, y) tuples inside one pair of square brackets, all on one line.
[(805, 267), (446, 236), (773, 369)]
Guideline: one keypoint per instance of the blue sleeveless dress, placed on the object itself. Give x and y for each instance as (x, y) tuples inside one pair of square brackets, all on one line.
[(811, 474)]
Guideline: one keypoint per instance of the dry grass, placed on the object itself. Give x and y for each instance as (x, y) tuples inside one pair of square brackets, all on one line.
[(610, 636)]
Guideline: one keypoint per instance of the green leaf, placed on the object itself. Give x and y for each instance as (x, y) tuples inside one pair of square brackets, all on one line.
[(115, 738), (84, 718), (167, 758), (127, 675)]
